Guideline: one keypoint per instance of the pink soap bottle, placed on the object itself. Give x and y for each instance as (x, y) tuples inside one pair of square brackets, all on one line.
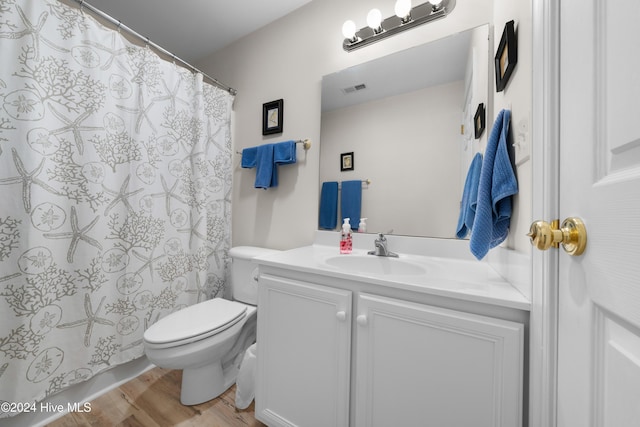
[(346, 243)]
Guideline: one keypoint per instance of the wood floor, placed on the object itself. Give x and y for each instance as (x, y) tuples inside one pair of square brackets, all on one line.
[(153, 399)]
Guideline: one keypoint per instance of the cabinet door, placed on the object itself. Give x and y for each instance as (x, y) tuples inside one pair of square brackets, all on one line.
[(304, 352), (419, 365)]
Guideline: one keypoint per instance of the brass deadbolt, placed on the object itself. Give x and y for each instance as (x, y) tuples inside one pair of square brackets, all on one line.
[(572, 234)]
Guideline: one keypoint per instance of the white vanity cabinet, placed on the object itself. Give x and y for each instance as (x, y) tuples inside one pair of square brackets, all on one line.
[(304, 354), (420, 365), (325, 360)]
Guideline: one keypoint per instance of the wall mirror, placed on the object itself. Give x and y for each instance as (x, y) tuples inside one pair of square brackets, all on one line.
[(408, 119)]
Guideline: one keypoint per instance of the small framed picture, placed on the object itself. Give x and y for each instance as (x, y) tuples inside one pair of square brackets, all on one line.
[(506, 56), (479, 121), (272, 115), (346, 161)]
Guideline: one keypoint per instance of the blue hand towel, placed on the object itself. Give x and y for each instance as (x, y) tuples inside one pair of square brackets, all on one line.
[(351, 201), (497, 185), (249, 157), (266, 158), (329, 205), (284, 153), (264, 167), (469, 198)]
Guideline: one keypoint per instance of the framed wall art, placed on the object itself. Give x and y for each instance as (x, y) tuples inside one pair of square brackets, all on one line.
[(506, 56), (272, 116), (346, 161), (479, 121)]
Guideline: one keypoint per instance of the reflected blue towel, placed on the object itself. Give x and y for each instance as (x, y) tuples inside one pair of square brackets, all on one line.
[(329, 205), (469, 198), (351, 201), (265, 158), (497, 185)]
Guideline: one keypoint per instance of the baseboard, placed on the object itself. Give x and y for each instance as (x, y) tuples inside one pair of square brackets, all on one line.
[(79, 394)]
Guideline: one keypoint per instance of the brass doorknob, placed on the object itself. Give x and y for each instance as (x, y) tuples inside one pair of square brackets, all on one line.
[(572, 234)]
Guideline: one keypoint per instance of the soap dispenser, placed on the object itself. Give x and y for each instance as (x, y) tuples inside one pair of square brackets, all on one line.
[(362, 227), (346, 244)]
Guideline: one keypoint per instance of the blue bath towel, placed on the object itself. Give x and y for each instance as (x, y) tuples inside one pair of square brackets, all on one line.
[(497, 184), (469, 198), (351, 201), (328, 206), (265, 158), (284, 153)]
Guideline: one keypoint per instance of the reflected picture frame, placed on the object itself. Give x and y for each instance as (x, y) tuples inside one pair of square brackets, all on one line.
[(272, 117), (506, 56), (346, 162), (479, 121)]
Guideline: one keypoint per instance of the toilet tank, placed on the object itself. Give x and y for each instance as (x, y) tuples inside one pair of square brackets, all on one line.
[(244, 272)]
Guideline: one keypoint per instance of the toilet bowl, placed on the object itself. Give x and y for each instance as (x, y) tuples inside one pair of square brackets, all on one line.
[(207, 340)]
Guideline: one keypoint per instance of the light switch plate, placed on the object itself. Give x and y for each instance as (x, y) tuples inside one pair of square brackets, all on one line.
[(522, 142)]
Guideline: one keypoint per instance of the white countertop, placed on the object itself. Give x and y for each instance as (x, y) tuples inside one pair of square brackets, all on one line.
[(457, 278)]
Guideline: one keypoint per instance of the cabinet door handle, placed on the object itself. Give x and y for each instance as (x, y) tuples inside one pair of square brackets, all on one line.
[(362, 320), (341, 316)]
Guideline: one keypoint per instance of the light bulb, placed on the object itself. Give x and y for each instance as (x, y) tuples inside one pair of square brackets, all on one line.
[(374, 18), (403, 8), (349, 29)]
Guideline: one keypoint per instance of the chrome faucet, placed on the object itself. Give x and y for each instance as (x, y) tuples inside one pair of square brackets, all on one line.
[(381, 247)]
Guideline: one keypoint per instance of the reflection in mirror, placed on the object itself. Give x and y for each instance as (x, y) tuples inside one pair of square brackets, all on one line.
[(408, 119)]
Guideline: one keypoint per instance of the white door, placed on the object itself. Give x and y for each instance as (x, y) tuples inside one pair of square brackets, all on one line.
[(599, 292)]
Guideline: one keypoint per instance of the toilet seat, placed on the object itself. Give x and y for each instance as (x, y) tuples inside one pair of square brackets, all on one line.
[(195, 322)]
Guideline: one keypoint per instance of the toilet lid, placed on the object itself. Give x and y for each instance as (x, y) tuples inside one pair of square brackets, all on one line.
[(205, 318)]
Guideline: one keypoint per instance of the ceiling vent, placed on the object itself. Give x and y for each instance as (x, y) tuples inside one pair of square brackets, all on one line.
[(356, 88)]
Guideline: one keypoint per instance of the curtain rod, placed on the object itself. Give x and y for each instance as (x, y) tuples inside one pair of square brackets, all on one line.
[(119, 25)]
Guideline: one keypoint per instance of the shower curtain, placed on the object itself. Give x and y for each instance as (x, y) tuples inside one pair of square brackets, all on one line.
[(115, 178)]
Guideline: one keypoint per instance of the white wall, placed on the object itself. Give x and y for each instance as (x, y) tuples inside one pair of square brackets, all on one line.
[(408, 145), (287, 59)]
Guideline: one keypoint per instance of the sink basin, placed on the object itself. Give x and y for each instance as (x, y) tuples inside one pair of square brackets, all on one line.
[(371, 264)]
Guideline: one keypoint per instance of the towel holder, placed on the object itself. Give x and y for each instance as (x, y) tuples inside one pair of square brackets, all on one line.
[(306, 144), (366, 182)]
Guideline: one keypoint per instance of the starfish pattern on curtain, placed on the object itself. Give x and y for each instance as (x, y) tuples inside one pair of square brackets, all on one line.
[(115, 181)]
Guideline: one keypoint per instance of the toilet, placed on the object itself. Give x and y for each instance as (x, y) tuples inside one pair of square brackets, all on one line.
[(207, 340)]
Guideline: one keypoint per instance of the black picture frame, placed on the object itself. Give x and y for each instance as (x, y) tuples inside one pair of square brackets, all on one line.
[(346, 161), (479, 121), (507, 56), (272, 117)]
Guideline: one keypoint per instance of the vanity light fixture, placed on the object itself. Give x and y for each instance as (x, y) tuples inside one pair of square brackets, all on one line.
[(403, 10), (405, 17), (374, 19)]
